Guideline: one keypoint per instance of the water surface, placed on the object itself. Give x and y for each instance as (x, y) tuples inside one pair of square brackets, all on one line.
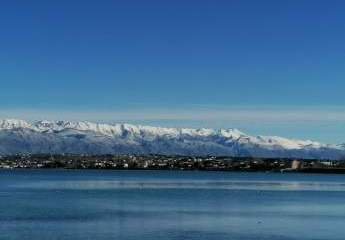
[(149, 205)]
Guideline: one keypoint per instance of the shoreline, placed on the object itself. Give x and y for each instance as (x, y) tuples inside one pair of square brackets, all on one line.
[(302, 171), (172, 163)]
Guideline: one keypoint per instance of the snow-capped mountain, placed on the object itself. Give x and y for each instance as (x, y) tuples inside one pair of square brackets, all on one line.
[(18, 136)]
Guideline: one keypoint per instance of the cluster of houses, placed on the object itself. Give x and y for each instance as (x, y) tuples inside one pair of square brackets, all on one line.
[(162, 162)]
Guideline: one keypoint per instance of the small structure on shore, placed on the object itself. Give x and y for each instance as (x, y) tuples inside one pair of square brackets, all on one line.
[(295, 166)]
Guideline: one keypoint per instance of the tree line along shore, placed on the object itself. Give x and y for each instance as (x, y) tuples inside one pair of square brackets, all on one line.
[(164, 162)]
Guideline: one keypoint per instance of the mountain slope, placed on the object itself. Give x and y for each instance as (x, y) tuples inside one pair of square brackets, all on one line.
[(18, 136)]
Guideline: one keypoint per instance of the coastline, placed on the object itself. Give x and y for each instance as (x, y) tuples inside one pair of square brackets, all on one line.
[(172, 163)]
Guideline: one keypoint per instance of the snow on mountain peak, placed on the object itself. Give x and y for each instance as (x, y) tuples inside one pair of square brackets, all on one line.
[(13, 123), (80, 137), (139, 130), (231, 133)]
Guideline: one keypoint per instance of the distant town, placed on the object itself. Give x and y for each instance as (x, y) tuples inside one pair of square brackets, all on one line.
[(163, 162)]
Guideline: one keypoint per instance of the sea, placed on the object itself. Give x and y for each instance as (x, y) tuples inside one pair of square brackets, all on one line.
[(170, 205)]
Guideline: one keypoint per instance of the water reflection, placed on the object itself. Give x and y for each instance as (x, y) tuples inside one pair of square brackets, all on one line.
[(101, 205), (190, 184)]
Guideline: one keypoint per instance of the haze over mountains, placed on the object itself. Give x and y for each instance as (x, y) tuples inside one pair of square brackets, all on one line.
[(21, 137)]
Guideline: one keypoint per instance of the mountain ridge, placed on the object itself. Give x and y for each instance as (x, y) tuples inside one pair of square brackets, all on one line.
[(19, 136)]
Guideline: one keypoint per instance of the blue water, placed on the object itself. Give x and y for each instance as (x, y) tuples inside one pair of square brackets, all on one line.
[(149, 205)]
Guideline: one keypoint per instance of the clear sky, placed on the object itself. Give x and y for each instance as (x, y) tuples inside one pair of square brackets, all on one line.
[(266, 67)]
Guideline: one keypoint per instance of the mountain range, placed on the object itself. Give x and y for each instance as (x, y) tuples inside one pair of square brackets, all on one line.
[(57, 137)]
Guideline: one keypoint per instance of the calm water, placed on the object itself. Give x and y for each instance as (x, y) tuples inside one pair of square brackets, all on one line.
[(134, 205)]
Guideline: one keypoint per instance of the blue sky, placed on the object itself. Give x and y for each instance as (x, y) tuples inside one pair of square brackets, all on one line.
[(266, 67)]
